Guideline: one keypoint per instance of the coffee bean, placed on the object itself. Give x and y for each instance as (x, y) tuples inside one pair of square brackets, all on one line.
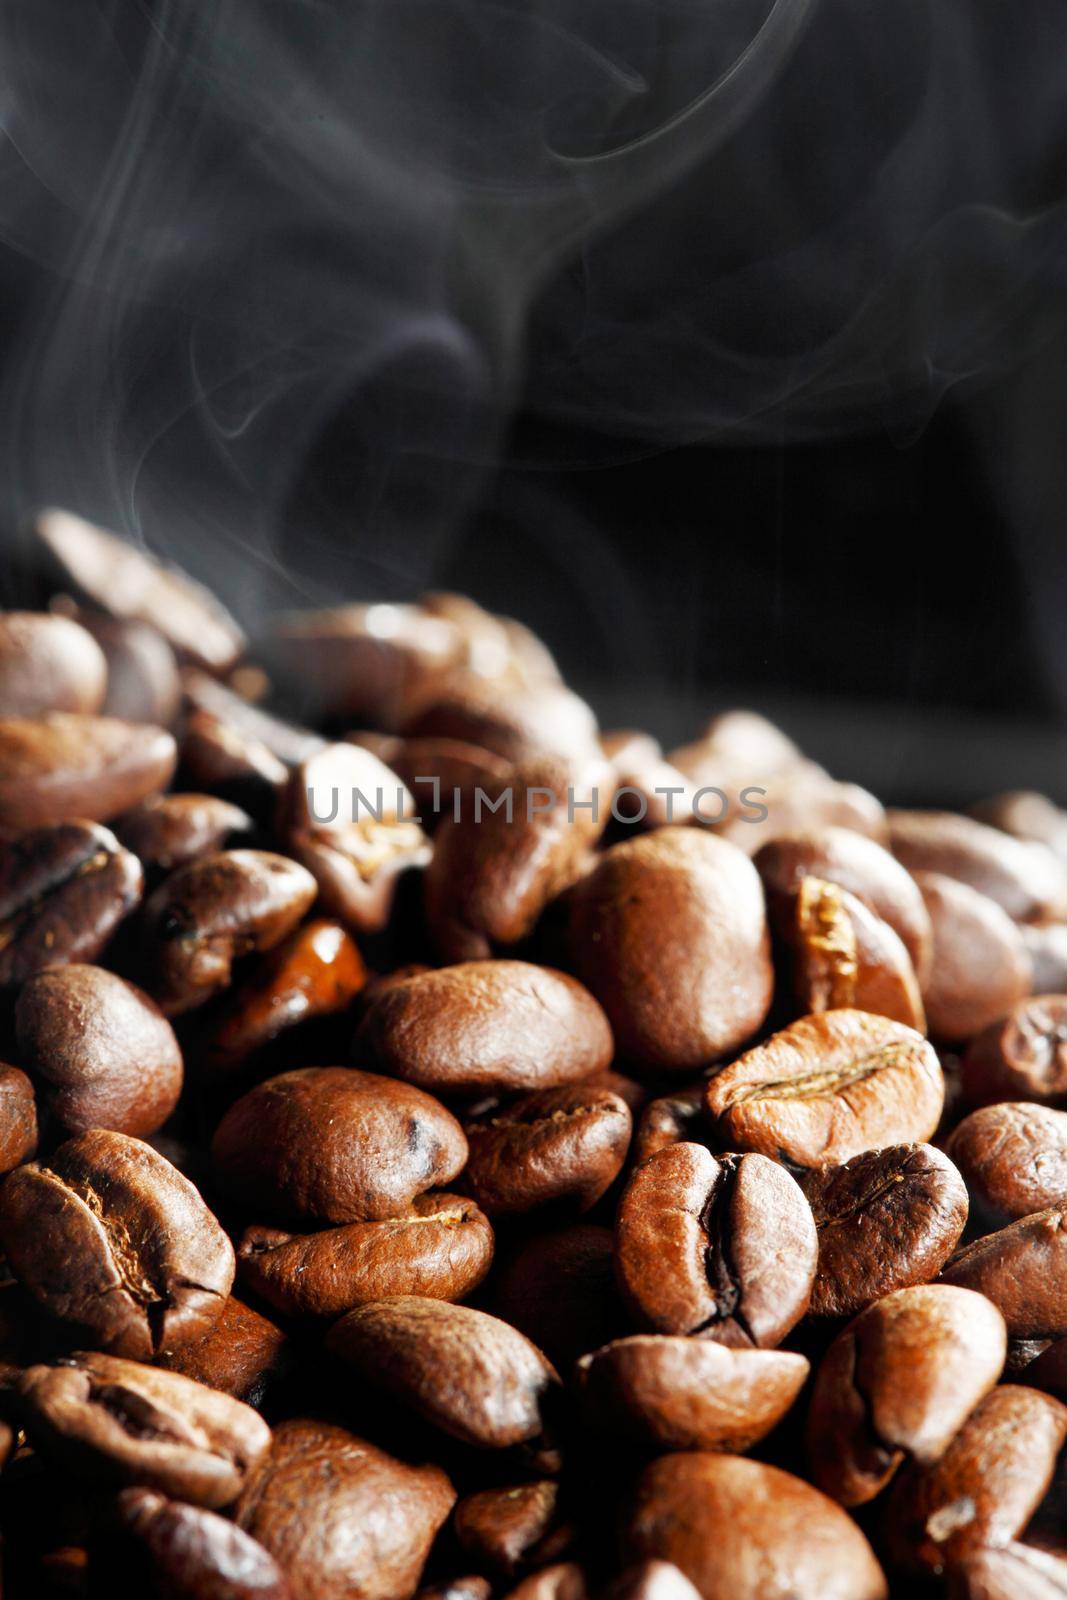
[(18, 1118), (171, 830), (725, 1247), (342, 1519), (67, 765), (1009, 1572), (740, 1530), (1023, 1270), (1014, 1159), (1024, 878), (184, 1551), (844, 956), (558, 1289), (229, 762), (827, 1088), (888, 1219), (442, 1249), (209, 914), (800, 799), (649, 791), (443, 774), (556, 1148), (981, 966), (468, 1587), (241, 1355), (143, 682), (466, 1372), (247, 722), (336, 1145), (735, 748), (113, 1242), (115, 1421), (103, 1051), (669, 1119), (486, 1026), (669, 933), (984, 1488), (1046, 946), (517, 721), (501, 1531), (565, 1580), (48, 664), (899, 1382), (672, 1393), (1021, 1057), (651, 1580)]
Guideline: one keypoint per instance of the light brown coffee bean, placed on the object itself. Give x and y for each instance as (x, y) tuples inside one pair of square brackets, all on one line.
[(187, 1553), (1023, 1270), (18, 1118), (514, 720), (1021, 1057), (48, 664), (503, 1531), (827, 1088), (981, 966), (170, 830), (65, 765), (1013, 1157), (1024, 878), (802, 798), (1046, 945), (1009, 1572), (557, 1149), (844, 956), (143, 681), (241, 1355)]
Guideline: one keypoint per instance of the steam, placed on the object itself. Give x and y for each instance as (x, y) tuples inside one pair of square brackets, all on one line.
[(248, 224)]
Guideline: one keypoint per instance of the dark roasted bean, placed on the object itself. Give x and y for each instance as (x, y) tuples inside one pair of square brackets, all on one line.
[(171, 830), (1023, 1270), (143, 682), (1021, 1057), (18, 1118), (516, 721), (187, 1553), (1013, 1158), (558, 1288), (503, 1531), (229, 762), (241, 1355), (556, 1148), (669, 1119), (68, 765)]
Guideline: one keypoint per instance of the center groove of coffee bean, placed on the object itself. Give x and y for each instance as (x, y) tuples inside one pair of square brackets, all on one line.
[(813, 1085), (14, 924)]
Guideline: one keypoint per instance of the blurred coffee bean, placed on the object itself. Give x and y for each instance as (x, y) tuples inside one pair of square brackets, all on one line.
[(443, 774), (1013, 1157), (649, 791), (18, 1118), (558, 1288), (1023, 1270), (1009, 1572), (1026, 815), (651, 1580), (243, 1354), (171, 830), (1046, 945), (502, 1531), (844, 956), (183, 1552), (1021, 1057), (1025, 879), (143, 682), (67, 765), (804, 798), (564, 1580), (518, 722), (554, 1149), (48, 664), (981, 965), (232, 764), (669, 1119), (468, 1587), (287, 741)]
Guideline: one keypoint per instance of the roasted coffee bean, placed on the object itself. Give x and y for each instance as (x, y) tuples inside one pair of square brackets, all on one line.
[(485, 1026), (468, 1587), (650, 791), (286, 741), (1013, 1158), (352, 823), (1023, 1270), (336, 1145), (443, 774), (316, 972), (48, 664), (1021, 1057), (1026, 815), (468, 1373), (669, 933), (143, 682), (442, 1248), (856, 864), (519, 722), (888, 1219), (900, 1382), (669, 1119), (229, 762), (985, 1486), (494, 871), (109, 574), (68, 765), (722, 1246), (113, 1242), (672, 1393), (501, 1531), (844, 956), (171, 830), (1046, 946), (209, 914), (828, 1087), (651, 1580), (1048, 1370), (737, 748), (1024, 878), (740, 1530), (1009, 1572), (803, 798), (981, 965), (241, 1355), (559, 1289), (186, 1553), (555, 1148), (486, 643), (18, 1118), (105, 1055), (119, 1422)]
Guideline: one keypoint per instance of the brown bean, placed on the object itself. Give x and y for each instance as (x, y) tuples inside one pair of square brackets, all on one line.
[(1046, 946), (564, 1580), (143, 682), (231, 763), (649, 790), (555, 1148), (1023, 1270), (18, 1118), (981, 965), (1009, 1572), (669, 1119), (558, 1289), (48, 664), (651, 1580), (184, 1551), (1048, 1371), (1013, 1157), (241, 1355), (468, 1587), (503, 1531), (828, 1087), (443, 774), (1021, 1057), (1025, 879), (513, 720), (801, 799), (844, 956), (65, 765), (170, 830), (287, 741)]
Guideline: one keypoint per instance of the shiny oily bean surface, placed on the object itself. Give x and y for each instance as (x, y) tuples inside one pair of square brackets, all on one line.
[(1021, 1057), (120, 1422), (555, 1149), (1023, 1269), (18, 1118), (981, 966), (673, 1393), (1009, 1572), (226, 760), (670, 934), (899, 1382), (741, 1530), (844, 956), (468, 1373), (486, 1026), (180, 1550), (116, 1244), (828, 1087), (502, 1531), (669, 1119), (441, 1249), (518, 722), (335, 1145), (1013, 1157), (888, 1219), (67, 765), (48, 664), (1024, 878), (241, 1355), (170, 830), (725, 1247), (105, 1055)]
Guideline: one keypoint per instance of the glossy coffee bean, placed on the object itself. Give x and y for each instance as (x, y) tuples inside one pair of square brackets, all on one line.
[(557, 1149), (672, 1393), (669, 1119), (502, 1531), (335, 1145), (558, 1288), (103, 1052), (899, 1383), (229, 762), (118, 1422), (513, 720), (740, 1530), (844, 956), (1009, 1572), (247, 721), (1046, 945), (48, 664), (722, 1246), (1023, 1270), (209, 914), (344, 1520), (184, 1551), (649, 791), (981, 965), (651, 1580), (984, 1488), (1025, 879), (67, 765), (888, 1219), (828, 1087), (113, 1242), (241, 1355), (18, 1118), (1021, 1057), (669, 933), (443, 774), (442, 1248), (466, 1372), (483, 1027), (143, 681), (170, 830), (63, 892), (1013, 1157)]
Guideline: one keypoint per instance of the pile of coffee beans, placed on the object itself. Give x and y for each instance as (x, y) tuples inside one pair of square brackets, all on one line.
[(452, 1152)]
